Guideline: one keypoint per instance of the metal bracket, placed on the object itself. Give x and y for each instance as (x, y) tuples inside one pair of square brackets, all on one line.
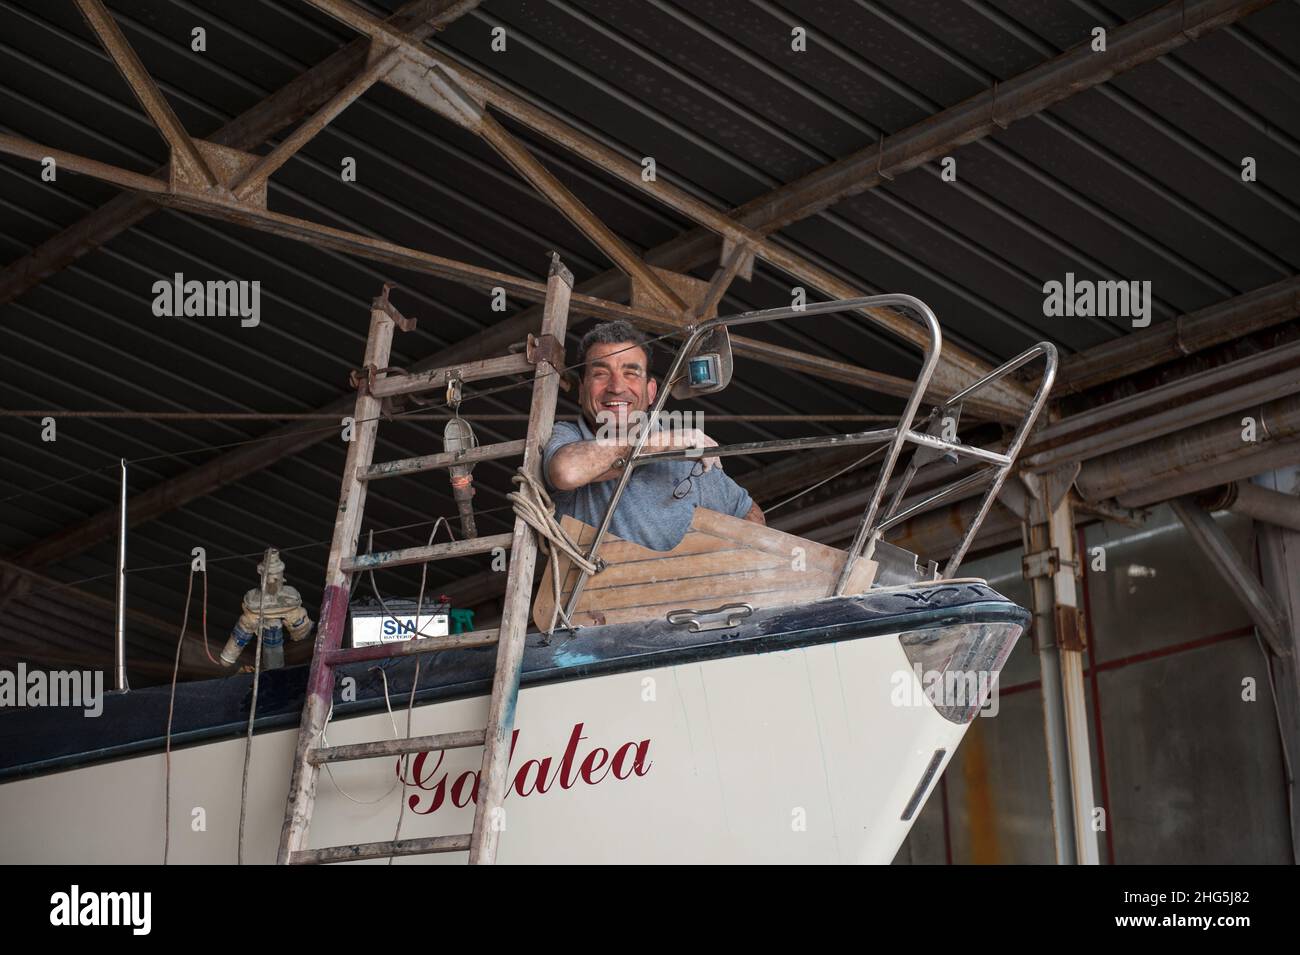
[(1129, 517), (545, 348), (746, 270), (436, 89), (1014, 496), (1070, 634), (1045, 563), (719, 618), (934, 428), (227, 164), (454, 390), (382, 304), (1048, 489), (363, 379)]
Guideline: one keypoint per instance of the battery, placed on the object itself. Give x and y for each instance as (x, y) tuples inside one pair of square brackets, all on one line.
[(371, 623)]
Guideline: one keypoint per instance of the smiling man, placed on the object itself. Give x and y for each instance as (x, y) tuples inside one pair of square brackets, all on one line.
[(582, 464)]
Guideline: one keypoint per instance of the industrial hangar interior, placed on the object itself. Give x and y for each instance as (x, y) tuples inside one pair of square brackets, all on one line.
[(1105, 187)]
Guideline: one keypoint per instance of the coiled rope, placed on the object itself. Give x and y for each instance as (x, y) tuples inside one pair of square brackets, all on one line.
[(534, 506)]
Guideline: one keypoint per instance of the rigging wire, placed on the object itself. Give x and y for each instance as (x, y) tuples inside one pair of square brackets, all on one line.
[(62, 585), (422, 408), (844, 470)]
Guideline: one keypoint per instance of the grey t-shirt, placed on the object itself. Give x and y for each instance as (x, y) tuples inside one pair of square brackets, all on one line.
[(647, 513)]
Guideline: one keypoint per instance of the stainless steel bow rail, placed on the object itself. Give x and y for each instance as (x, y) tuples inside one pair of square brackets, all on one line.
[(994, 466)]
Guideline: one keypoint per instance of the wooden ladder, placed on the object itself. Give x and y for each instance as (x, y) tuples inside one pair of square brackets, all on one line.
[(544, 357)]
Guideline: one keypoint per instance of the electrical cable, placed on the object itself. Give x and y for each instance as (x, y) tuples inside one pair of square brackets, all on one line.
[(383, 676), (325, 739), (252, 706), (415, 681), (171, 709), (207, 651), (419, 409)]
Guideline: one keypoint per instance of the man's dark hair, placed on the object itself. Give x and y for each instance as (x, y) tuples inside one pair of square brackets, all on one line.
[(614, 333)]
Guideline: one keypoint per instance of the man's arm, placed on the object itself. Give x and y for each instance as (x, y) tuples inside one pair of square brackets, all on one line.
[(756, 515), (580, 463)]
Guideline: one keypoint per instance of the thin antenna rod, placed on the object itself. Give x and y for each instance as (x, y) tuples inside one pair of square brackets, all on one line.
[(119, 654)]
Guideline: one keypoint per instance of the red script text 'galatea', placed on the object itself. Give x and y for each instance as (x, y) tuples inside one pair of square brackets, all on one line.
[(534, 776)]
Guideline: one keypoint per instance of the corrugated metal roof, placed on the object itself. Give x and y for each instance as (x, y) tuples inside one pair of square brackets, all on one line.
[(1137, 178)]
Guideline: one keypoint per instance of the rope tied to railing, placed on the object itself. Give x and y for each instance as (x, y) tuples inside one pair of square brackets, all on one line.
[(534, 506)]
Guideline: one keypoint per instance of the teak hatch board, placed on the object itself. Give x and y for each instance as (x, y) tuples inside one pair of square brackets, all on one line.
[(722, 559)]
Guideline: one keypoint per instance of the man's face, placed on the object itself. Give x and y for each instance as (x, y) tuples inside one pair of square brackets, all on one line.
[(615, 383)]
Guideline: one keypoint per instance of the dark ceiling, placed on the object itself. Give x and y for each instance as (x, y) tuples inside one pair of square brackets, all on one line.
[(1136, 179)]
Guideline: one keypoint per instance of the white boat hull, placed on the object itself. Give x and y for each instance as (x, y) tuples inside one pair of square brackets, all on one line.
[(793, 756), (805, 735)]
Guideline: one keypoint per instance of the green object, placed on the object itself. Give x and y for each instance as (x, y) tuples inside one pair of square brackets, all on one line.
[(461, 620)]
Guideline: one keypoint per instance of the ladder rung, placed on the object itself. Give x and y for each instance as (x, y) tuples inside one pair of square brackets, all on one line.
[(380, 850), (396, 747), (436, 379), (418, 555), (428, 462), (402, 648)]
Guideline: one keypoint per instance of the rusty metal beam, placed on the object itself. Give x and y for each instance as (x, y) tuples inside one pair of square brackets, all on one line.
[(958, 368), (689, 250), (277, 157), (1236, 573), (139, 182), (56, 587), (1144, 39), (723, 276), (184, 151), (1247, 382), (389, 253), (1221, 322), (1150, 36), (289, 104), (163, 671), (1195, 458), (484, 91), (1128, 46), (470, 113), (215, 205), (586, 221)]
